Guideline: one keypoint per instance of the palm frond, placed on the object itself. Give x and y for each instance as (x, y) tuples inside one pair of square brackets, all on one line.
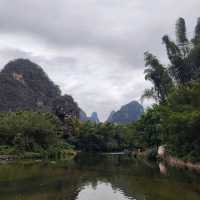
[(149, 94)]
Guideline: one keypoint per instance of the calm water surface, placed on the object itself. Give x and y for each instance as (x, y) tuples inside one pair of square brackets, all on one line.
[(97, 177)]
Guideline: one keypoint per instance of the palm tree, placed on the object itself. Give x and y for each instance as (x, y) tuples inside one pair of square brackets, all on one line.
[(158, 75)]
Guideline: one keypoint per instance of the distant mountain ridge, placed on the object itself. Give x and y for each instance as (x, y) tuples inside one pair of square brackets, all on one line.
[(128, 113), (110, 117), (93, 118), (83, 116)]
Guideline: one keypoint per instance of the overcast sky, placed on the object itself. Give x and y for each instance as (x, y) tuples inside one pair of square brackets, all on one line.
[(93, 49)]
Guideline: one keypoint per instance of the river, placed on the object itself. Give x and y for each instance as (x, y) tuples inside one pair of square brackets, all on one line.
[(97, 177)]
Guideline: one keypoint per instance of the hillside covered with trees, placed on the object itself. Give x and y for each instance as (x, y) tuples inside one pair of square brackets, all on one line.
[(25, 86)]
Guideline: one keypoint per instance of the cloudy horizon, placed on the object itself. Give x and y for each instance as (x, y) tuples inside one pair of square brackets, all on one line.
[(92, 49)]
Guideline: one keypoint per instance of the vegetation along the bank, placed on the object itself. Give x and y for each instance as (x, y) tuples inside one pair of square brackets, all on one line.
[(32, 135)]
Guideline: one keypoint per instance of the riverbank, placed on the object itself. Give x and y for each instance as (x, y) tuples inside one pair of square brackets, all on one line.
[(161, 154), (7, 157), (173, 161), (178, 163), (64, 155)]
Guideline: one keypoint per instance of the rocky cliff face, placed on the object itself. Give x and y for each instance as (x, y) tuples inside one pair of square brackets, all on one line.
[(127, 113), (110, 117), (25, 86)]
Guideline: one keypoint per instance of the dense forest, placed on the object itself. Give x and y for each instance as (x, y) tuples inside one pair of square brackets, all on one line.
[(174, 120)]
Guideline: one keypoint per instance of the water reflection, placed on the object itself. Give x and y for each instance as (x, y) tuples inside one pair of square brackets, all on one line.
[(97, 178), (102, 191), (163, 168)]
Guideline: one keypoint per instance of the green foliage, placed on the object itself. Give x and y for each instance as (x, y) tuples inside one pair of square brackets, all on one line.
[(158, 75), (29, 131), (182, 123), (175, 123), (102, 137), (36, 134), (185, 98), (149, 94), (8, 150), (149, 127), (182, 134), (184, 56)]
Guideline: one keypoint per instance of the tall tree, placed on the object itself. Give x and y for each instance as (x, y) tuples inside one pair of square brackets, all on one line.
[(184, 67), (158, 75), (179, 68)]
